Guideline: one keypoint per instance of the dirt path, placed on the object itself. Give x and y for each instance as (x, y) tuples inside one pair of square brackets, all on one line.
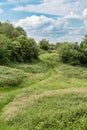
[(21, 102)]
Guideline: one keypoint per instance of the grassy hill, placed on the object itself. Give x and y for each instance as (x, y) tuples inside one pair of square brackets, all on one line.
[(44, 95)]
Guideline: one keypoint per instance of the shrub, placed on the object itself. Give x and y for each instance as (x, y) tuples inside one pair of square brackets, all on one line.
[(29, 48), (4, 52), (68, 54), (44, 44), (15, 49)]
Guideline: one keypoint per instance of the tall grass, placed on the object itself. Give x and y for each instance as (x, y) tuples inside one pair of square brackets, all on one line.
[(11, 77), (58, 112)]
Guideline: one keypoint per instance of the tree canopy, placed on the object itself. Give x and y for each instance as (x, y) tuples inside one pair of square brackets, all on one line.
[(15, 46)]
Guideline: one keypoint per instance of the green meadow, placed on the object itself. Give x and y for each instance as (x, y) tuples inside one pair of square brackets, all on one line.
[(43, 95)]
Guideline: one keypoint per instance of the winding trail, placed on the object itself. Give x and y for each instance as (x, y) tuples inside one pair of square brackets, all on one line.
[(20, 102)]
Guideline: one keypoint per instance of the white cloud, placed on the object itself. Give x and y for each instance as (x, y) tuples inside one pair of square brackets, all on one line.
[(73, 16), (53, 30), (35, 21), (85, 12), (71, 38), (55, 7), (37, 26), (1, 11), (71, 23)]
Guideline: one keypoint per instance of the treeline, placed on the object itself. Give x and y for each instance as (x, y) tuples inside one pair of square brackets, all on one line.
[(73, 53), (15, 46)]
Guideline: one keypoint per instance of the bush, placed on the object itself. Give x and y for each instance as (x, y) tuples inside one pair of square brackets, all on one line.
[(44, 44), (68, 54), (15, 49), (29, 48), (4, 52)]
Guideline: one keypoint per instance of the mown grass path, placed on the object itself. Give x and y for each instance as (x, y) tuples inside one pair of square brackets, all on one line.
[(54, 82), (21, 101)]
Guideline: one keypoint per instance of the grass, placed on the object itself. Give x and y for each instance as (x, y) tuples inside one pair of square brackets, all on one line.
[(11, 77), (66, 111), (31, 96), (59, 112), (37, 67)]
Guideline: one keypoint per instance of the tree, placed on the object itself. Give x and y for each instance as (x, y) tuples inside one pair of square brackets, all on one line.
[(7, 29), (15, 46), (15, 49), (10, 31), (44, 44), (52, 47), (58, 45), (20, 31), (4, 52), (29, 49), (68, 54)]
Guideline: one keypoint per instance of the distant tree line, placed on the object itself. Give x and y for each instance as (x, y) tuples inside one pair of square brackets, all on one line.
[(73, 53), (15, 46)]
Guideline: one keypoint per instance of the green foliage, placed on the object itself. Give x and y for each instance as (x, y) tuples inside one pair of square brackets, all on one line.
[(10, 31), (73, 53), (58, 45), (83, 47), (6, 29), (4, 52), (20, 31), (15, 49), (84, 41), (15, 46), (68, 54), (44, 44), (29, 49), (52, 47)]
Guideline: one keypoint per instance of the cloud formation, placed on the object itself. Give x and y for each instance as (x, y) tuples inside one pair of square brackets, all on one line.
[(55, 20), (54, 7), (52, 29)]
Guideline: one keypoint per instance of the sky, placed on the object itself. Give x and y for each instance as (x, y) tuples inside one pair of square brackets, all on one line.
[(54, 20)]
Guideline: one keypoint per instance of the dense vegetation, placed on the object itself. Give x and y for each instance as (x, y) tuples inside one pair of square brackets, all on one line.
[(73, 53), (15, 46), (52, 96), (41, 88)]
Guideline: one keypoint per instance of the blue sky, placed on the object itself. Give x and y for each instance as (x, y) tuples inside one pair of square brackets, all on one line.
[(54, 20)]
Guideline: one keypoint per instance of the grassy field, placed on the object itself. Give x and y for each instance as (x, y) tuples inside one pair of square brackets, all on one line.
[(44, 95)]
